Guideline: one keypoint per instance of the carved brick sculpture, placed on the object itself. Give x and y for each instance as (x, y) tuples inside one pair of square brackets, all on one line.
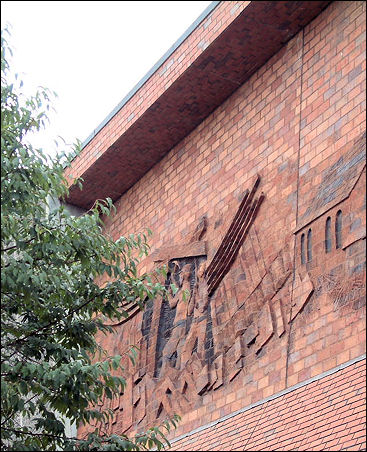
[(178, 331), (234, 238), (187, 347)]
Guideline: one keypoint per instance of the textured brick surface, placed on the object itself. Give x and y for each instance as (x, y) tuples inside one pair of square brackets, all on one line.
[(275, 320), (326, 414)]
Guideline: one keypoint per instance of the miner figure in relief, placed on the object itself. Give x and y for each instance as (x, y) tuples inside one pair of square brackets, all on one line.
[(197, 306), (180, 303)]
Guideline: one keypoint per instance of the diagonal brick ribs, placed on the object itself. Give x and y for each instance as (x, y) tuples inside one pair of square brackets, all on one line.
[(234, 238)]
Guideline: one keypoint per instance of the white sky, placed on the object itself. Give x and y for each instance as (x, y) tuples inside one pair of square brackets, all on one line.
[(90, 53)]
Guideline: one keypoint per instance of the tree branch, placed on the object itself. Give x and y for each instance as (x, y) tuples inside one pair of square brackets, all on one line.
[(55, 322), (49, 435)]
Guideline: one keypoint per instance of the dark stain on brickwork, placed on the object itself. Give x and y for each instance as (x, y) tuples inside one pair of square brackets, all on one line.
[(166, 319), (209, 341), (147, 320), (167, 314)]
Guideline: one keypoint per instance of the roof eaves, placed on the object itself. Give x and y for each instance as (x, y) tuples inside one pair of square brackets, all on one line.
[(146, 77)]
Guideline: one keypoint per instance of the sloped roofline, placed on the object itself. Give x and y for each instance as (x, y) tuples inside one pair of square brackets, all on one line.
[(147, 76)]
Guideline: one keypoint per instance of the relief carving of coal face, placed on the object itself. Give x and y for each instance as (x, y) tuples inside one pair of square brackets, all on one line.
[(228, 304), (187, 355), (187, 348)]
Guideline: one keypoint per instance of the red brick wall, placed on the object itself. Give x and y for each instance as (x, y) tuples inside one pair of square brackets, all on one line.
[(291, 123)]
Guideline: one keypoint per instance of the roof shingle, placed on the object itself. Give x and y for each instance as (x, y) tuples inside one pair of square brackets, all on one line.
[(325, 414)]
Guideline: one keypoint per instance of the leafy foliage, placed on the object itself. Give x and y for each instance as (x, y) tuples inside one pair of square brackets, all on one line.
[(52, 368)]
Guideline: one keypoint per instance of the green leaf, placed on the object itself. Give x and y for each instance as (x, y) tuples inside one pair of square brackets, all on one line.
[(52, 304)]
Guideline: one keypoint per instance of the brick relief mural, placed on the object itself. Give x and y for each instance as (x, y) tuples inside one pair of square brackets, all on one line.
[(199, 338), (187, 352), (184, 347), (222, 315)]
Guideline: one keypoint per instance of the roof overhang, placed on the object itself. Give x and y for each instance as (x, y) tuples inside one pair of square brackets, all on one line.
[(219, 52)]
